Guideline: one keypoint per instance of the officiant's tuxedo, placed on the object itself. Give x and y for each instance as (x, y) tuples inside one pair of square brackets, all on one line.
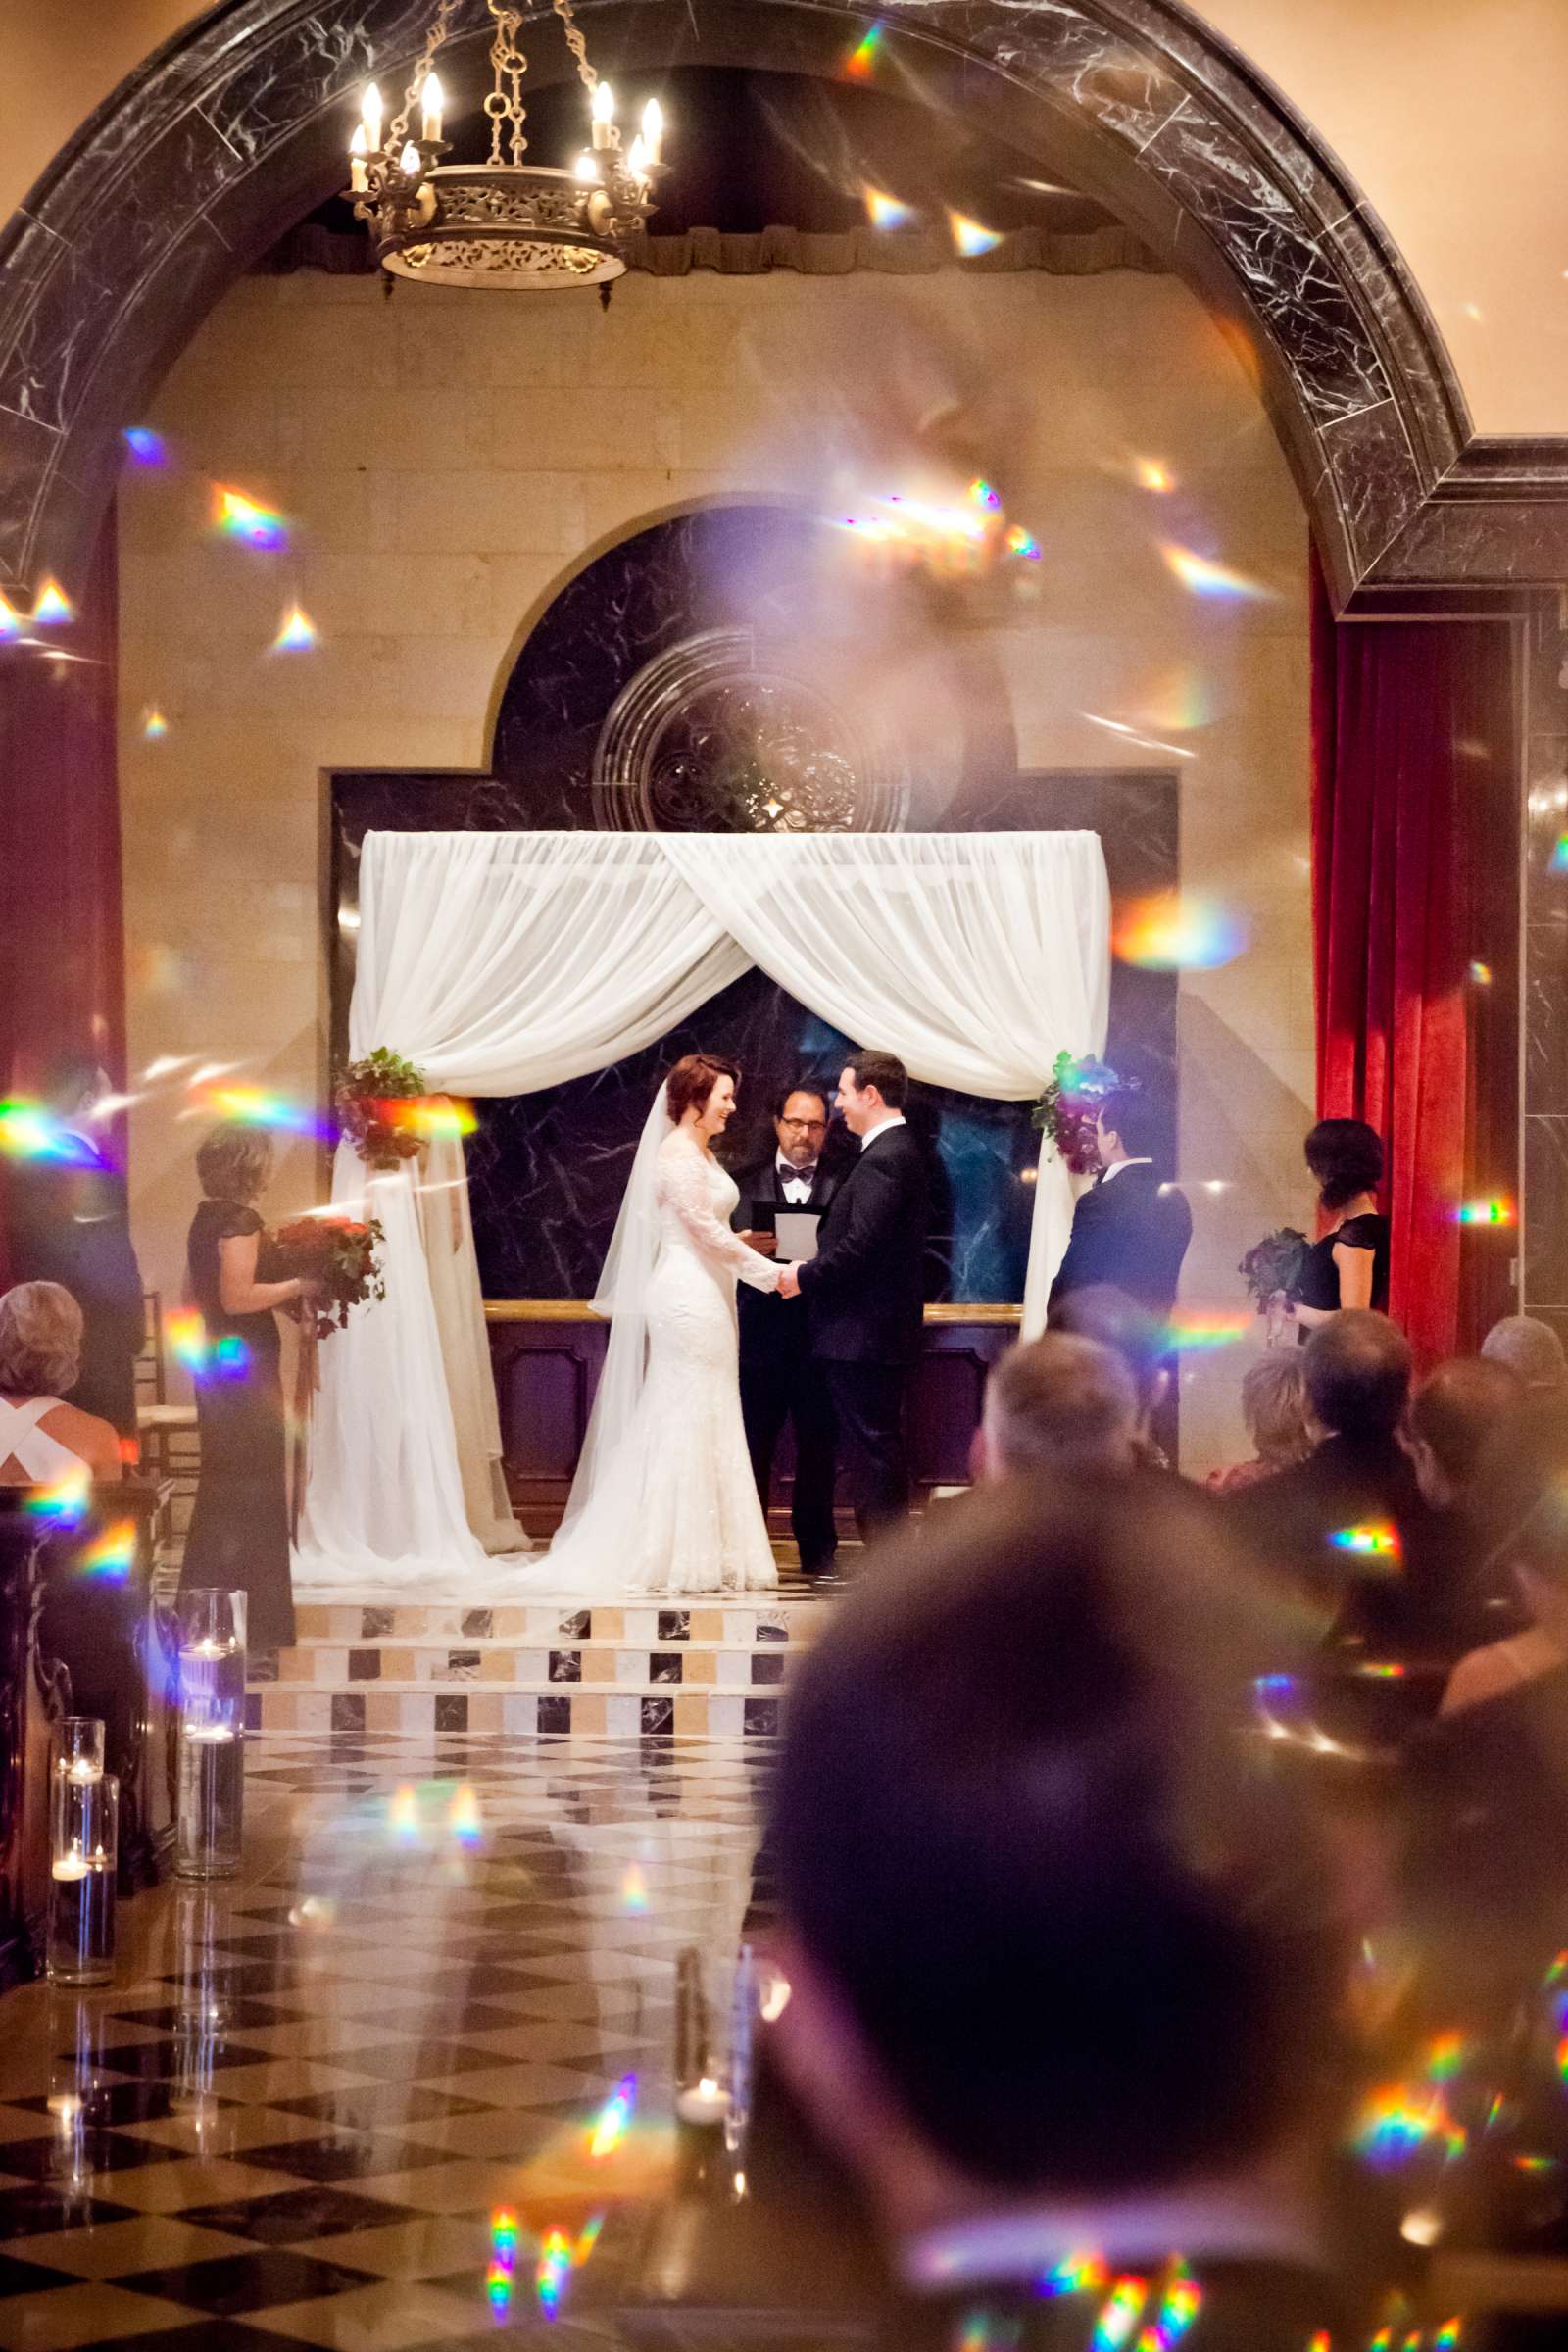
[(865, 1294), (1131, 1230), (780, 1379)]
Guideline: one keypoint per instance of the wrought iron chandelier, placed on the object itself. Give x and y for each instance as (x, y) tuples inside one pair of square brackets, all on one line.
[(502, 222)]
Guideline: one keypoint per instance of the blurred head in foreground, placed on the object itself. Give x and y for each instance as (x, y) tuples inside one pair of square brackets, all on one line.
[(1051, 1930), (1058, 1403), (1530, 1347), (1519, 1505)]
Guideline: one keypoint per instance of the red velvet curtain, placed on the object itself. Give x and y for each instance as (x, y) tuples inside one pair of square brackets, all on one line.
[(1413, 748), (62, 937)]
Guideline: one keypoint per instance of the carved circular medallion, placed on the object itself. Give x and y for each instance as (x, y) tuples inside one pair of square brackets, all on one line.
[(715, 736)]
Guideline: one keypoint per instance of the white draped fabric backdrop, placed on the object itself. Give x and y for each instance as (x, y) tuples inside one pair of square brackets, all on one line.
[(505, 963)]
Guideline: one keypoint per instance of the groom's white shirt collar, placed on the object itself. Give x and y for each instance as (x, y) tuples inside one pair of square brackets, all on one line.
[(891, 1118), (1117, 1166)]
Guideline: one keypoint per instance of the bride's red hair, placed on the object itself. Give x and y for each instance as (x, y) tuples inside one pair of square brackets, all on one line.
[(692, 1081)]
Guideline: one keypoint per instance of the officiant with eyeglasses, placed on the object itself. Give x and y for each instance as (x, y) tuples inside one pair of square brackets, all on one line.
[(780, 1382)]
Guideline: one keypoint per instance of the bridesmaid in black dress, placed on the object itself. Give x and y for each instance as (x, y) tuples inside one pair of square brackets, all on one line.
[(1349, 1265), (239, 1538)]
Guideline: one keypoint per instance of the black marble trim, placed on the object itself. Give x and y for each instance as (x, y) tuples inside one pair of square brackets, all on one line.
[(1160, 115)]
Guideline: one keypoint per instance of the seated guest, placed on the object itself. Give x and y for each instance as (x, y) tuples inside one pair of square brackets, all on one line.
[(1130, 1229), (1278, 1419), (1451, 1604), (1064, 1964), (69, 1222), (42, 1440), (1107, 1315), (1348, 1266), (1349, 1523), (1056, 1403), (1520, 1485), (1490, 1784), (1530, 1347)]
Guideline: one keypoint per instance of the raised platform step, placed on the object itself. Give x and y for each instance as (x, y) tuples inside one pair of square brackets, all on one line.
[(713, 1667), (605, 1712)]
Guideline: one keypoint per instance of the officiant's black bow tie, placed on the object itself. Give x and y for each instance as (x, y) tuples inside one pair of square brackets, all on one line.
[(802, 1175)]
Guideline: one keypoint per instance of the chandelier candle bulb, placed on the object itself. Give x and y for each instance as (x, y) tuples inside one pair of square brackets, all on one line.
[(432, 100), (588, 169), (409, 162), (371, 119), (359, 178), (604, 115), (653, 131), (637, 160)]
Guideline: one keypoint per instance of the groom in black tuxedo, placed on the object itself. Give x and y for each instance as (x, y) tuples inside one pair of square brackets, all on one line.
[(780, 1378), (1129, 1228), (865, 1287)]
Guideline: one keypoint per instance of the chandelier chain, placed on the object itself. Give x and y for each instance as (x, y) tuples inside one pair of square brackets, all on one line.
[(504, 104), (440, 27), (587, 72)]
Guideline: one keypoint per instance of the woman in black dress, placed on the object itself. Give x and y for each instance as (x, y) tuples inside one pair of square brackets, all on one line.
[(1349, 1265), (238, 1535)]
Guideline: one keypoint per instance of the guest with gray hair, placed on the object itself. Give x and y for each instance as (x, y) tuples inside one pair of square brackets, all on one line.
[(1530, 1347), (44, 1441), (1056, 1403)]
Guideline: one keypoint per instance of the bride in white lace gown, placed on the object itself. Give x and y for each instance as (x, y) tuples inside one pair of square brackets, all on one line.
[(663, 1500)]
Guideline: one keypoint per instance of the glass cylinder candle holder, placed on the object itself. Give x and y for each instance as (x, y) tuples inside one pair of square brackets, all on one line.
[(209, 1804), (79, 1748), (84, 1843)]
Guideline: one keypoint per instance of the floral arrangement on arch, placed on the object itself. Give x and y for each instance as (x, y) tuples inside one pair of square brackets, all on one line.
[(374, 1100), (340, 1253), (1070, 1103)]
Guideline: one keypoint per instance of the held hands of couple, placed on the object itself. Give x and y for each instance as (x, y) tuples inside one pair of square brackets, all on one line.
[(789, 1282)]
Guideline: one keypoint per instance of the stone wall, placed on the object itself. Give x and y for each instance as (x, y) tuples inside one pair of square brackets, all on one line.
[(446, 461)]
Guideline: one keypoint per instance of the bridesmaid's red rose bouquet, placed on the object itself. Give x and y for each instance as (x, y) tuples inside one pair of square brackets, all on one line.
[(339, 1253)]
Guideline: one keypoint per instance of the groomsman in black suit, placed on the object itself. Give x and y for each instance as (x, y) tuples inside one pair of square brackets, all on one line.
[(1130, 1229), (780, 1380), (865, 1287)]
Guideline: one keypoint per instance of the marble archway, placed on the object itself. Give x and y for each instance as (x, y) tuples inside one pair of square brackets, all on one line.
[(234, 130)]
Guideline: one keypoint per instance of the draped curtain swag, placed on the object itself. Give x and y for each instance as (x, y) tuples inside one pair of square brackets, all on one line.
[(502, 963)]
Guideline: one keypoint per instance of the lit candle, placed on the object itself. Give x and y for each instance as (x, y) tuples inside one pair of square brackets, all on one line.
[(82, 1768), (211, 1734), (409, 161), (588, 169), (637, 161), (208, 1647), (604, 113), (653, 130), (359, 178), (432, 98), (707, 2104), (371, 119), (74, 1865)]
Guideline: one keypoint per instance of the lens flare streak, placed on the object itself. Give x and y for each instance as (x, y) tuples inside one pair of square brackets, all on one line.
[(1486, 1212), (887, 212), (1204, 578), (1382, 1542), (240, 517), (1119, 2314), (1169, 932), (112, 1556), (971, 237), (613, 2120)]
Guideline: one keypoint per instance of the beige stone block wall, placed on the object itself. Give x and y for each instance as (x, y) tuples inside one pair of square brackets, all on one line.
[(446, 462)]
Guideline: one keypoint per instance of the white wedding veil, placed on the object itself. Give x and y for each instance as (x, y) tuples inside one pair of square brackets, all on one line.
[(601, 1510)]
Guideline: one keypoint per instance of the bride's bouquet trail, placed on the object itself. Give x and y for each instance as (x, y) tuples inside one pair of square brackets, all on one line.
[(341, 1255)]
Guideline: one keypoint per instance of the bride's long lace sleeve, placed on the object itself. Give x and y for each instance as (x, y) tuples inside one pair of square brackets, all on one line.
[(683, 1185)]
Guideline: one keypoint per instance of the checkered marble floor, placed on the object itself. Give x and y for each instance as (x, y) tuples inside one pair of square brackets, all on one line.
[(310, 2102)]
